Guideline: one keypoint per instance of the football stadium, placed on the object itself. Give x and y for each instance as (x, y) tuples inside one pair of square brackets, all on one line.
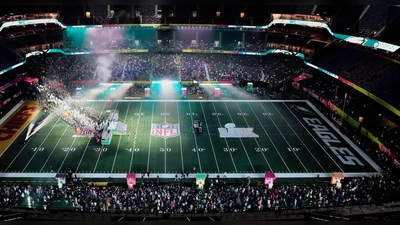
[(199, 112)]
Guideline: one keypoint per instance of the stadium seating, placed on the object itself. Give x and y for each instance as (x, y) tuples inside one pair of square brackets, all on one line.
[(373, 20)]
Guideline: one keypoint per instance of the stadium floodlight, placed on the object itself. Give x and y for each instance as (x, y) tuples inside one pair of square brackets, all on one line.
[(106, 84), (165, 82), (209, 84)]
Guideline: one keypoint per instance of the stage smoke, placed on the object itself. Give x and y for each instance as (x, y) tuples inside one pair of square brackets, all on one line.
[(103, 70)]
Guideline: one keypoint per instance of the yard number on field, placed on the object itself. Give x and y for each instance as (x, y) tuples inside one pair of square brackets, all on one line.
[(100, 149), (198, 149), (293, 149), (38, 149), (261, 149), (68, 149), (165, 150), (230, 149)]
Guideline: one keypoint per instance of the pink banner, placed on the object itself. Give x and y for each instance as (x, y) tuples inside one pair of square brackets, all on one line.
[(302, 76), (29, 78)]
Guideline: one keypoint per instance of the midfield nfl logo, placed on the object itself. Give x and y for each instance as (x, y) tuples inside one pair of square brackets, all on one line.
[(165, 130)]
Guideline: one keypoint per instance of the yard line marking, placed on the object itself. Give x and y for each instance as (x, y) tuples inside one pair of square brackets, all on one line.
[(120, 137), (80, 161), (41, 145), (195, 139), (240, 139), (180, 139), (226, 142), (98, 158), (276, 149), (314, 138), (57, 145), (165, 140), (255, 139), (209, 136), (277, 127), (82, 155), (51, 153), (148, 157), (136, 131), (27, 145), (296, 133), (66, 155)]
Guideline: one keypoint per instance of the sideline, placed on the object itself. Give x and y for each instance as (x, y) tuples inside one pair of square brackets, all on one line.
[(191, 175)]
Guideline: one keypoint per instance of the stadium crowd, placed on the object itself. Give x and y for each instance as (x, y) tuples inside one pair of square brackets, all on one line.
[(155, 66), (149, 197)]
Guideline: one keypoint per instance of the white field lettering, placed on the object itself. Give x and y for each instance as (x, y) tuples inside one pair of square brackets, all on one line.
[(342, 153)]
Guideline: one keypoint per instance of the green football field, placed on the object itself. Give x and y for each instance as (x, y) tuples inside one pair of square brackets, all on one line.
[(293, 140)]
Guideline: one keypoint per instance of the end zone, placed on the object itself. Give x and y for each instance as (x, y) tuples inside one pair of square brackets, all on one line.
[(16, 123)]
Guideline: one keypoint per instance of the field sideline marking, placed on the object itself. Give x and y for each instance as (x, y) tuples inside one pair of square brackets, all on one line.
[(314, 138), (284, 138), (255, 139), (297, 135), (10, 113), (209, 136), (172, 175), (240, 139), (197, 100), (194, 135), (226, 142)]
